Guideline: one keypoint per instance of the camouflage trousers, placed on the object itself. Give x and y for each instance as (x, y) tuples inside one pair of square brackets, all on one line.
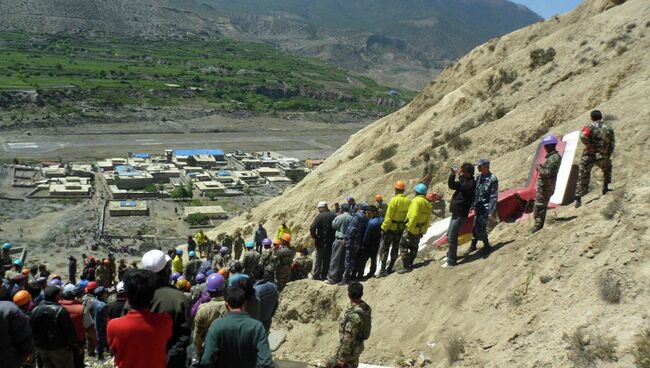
[(542, 197), (408, 247), (389, 245), (587, 162), (281, 279)]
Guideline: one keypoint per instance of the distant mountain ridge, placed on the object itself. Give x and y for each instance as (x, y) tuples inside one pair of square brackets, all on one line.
[(397, 42)]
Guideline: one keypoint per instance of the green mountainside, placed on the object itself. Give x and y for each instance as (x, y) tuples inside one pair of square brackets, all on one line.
[(211, 73)]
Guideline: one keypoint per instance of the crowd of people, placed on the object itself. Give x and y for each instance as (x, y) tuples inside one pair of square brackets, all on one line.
[(215, 309)]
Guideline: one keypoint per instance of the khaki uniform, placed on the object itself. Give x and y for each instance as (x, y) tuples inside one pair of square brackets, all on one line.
[(239, 247), (103, 276), (207, 313)]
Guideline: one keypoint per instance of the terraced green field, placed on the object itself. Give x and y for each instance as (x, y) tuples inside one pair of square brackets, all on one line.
[(218, 73)]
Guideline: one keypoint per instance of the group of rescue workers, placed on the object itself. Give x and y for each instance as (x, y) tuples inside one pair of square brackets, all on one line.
[(215, 309)]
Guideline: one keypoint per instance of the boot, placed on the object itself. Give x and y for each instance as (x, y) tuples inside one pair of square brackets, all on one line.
[(390, 266), (605, 187), (535, 229), (382, 270), (487, 249), (578, 202), (472, 248), (408, 266)]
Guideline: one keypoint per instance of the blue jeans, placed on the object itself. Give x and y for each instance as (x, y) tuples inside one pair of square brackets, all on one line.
[(452, 236)]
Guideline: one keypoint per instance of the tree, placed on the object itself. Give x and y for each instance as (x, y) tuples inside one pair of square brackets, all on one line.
[(197, 219)]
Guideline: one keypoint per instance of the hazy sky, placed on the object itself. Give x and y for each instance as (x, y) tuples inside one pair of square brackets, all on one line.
[(548, 8)]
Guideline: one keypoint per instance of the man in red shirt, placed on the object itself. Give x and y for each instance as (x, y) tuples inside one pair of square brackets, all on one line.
[(139, 339)]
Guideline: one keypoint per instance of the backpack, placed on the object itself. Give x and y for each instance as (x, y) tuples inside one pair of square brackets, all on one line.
[(45, 327), (365, 312)]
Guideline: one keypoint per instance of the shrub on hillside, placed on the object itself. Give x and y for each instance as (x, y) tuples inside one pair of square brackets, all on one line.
[(610, 288), (455, 348), (386, 153), (585, 349), (502, 78), (389, 166), (460, 143), (354, 154), (642, 350), (539, 57)]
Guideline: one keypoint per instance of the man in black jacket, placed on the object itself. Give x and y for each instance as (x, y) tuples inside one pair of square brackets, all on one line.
[(461, 202), (323, 233), (53, 331)]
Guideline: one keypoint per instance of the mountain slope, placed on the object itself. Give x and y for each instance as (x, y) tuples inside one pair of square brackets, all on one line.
[(399, 43), (497, 102)]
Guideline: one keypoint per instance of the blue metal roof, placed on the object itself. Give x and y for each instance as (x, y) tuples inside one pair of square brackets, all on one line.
[(126, 170), (194, 152), (223, 173), (140, 155)]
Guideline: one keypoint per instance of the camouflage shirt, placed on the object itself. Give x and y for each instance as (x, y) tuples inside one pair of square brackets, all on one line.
[(549, 168), (265, 261), (250, 260), (350, 333), (206, 314), (282, 259), (600, 140), (220, 261), (487, 193)]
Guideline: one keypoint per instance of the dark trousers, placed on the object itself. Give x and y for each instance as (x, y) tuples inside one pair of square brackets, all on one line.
[(323, 258), (364, 255)]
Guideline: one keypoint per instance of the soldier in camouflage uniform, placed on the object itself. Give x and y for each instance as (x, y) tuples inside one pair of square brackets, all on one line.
[(239, 246), (282, 259), (265, 259), (222, 259), (547, 172), (381, 205), (599, 142), (301, 266), (251, 258), (354, 329)]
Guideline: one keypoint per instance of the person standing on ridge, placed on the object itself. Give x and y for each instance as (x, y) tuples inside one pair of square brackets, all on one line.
[(599, 141), (354, 329), (340, 225), (238, 245), (427, 171), (260, 234), (72, 269), (392, 227), (191, 245), (370, 244), (284, 229), (324, 235), (418, 218), (356, 231), (547, 171), (485, 206), (282, 259), (461, 202)]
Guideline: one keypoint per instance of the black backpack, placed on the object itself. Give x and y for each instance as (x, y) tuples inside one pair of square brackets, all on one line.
[(45, 327)]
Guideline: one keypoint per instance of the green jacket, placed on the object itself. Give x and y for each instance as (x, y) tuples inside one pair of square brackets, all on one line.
[(395, 219), (237, 340)]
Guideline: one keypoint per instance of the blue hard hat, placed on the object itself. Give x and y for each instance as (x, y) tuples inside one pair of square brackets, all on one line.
[(250, 244), (192, 253), (179, 252), (6, 245), (363, 206), (549, 139), (421, 189), (18, 262)]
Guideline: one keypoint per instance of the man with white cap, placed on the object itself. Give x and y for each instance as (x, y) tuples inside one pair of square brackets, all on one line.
[(323, 234), (168, 299)]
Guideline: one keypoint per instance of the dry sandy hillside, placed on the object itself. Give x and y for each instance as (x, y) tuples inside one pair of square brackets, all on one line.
[(513, 308)]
